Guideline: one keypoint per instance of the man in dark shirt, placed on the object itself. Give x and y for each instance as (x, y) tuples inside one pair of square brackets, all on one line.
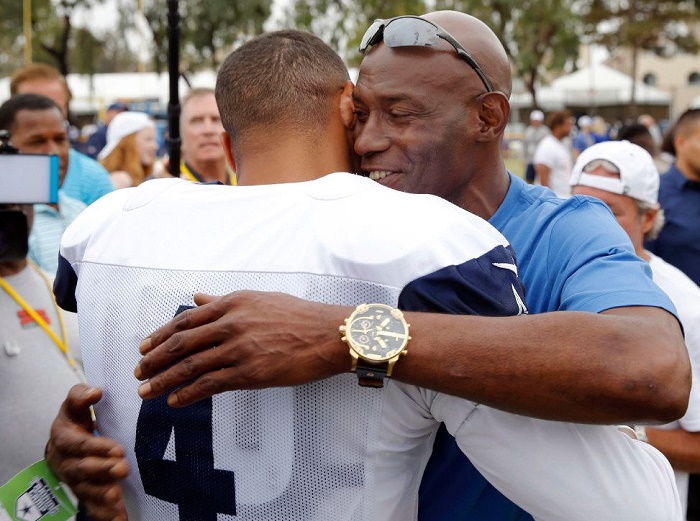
[(679, 195)]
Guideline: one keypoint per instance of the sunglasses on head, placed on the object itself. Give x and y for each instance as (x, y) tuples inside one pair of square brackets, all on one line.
[(608, 166), (413, 31)]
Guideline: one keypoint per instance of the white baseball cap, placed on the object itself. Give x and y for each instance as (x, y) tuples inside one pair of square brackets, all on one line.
[(585, 121), (536, 115), (638, 179), (124, 124)]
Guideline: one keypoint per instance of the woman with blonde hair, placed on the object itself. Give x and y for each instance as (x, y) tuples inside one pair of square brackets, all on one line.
[(130, 152)]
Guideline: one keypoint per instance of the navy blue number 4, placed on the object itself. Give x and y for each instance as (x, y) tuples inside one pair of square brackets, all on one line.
[(191, 482)]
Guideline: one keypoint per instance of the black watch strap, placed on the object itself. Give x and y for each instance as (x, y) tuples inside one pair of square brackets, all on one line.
[(371, 375)]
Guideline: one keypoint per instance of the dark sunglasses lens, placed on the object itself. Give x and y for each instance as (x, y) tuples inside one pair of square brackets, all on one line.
[(370, 37), (410, 32)]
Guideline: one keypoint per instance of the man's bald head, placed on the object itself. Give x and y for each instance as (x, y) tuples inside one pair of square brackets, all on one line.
[(425, 121), (481, 42)]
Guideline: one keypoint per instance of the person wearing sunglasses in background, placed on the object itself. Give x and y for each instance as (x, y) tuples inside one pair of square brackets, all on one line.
[(601, 344)]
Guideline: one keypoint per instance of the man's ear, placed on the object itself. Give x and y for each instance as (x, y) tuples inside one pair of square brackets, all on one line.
[(347, 107), (493, 114), (228, 150), (648, 219)]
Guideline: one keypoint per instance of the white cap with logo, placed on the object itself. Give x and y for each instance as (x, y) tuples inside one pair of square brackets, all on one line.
[(638, 179)]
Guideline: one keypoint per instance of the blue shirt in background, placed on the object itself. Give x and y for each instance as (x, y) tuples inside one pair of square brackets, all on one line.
[(679, 240), (86, 180)]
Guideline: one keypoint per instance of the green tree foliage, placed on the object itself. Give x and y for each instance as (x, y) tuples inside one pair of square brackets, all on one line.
[(52, 33), (11, 38), (341, 23), (213, 26), (539, 36), (662, 27)]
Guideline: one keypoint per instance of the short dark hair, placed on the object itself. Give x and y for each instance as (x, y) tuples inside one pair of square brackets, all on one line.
[(9, 109), (280, 79), (557, 118), (633, 131), (638, 134), (689, 118)]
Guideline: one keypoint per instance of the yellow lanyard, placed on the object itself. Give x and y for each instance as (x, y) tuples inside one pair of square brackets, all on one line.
[(187, 173), (61, 344)]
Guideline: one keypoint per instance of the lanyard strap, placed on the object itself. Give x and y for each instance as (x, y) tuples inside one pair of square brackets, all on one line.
[(189, 173), (40, 321)]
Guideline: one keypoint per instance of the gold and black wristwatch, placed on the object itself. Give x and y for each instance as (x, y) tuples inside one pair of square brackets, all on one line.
[(377, 335)]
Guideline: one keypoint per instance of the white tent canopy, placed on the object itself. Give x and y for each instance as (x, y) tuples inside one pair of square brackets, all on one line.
[(92, 94), (598, 85)]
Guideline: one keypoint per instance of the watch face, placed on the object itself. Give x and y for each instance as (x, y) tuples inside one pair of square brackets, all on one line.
[(377, 332)]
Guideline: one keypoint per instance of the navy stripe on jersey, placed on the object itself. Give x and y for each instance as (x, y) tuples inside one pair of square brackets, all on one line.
[(491, 285), (64, 285), (487, 285)]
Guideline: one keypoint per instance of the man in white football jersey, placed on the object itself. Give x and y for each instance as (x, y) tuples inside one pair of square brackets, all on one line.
[(349, 447)]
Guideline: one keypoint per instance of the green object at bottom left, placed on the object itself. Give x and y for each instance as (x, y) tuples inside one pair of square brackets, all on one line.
[(35, 494)]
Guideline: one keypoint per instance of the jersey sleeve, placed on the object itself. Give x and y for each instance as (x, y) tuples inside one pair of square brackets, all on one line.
[(547, 467), (487, 285), (76, 239)]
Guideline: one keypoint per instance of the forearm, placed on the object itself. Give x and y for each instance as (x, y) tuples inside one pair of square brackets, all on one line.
[(627, 365), (569, 366), (681, 448), (542, 172)]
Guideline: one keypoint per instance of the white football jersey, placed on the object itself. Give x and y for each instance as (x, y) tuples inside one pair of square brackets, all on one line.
[(329, 450)]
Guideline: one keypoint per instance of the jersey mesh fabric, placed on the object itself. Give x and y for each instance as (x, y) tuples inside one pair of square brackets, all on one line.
[(305, 453), (290, 450)]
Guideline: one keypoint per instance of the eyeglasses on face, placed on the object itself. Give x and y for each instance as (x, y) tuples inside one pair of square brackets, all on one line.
[(414, 31)]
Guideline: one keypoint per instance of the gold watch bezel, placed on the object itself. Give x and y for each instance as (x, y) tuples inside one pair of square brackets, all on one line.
[(361, 351)]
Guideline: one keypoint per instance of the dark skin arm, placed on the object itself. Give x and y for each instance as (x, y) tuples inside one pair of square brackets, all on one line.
[(625, 365), (90, 465), (681, 448)]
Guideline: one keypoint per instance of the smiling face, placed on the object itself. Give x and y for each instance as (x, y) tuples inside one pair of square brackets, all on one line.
[(42, 132), (201, 130), (415, 119)]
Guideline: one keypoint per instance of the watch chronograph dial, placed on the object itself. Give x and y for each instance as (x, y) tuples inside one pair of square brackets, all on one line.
[(377, 332)]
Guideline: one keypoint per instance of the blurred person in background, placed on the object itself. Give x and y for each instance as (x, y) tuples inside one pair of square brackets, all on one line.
[(36, 126), (648, 121), (534, 133), (86, 179), (679, 195), (552, 157), (130, 152), (624, 176), (97, 141), (203, 158), (600, 129), (585, 137), (639, 135), (35, 373)]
